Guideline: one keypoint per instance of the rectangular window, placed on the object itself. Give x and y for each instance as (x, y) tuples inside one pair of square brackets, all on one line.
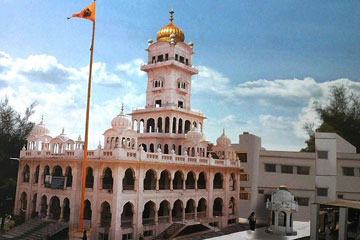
[(270, 167), (322, 154), (267, 196), (187, 61), (322, 192), (286, 169), (180, 104), (340, 196), (302, 201), (242, 157), (242, 189), (348, 171), (127, 236), (153, 59), (261, 191), (148, 233), (157, 103), (303, 170), (231, 221), (245, 196), (176, 57), (166, 56), (244, 177), (181, 59), (160, 58)]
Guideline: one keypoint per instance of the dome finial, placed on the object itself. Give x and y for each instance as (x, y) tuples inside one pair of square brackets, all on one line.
[(224, 131), (42, 119), (63, 131), (122, 108), (171, 14)]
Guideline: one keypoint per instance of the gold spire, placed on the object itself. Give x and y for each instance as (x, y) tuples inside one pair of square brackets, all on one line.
[(164, 33)]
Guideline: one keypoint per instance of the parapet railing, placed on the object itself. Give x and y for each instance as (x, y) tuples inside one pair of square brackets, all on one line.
[(130, 154)]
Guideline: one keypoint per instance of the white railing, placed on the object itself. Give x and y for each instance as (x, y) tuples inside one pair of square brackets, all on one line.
[(130, 154)]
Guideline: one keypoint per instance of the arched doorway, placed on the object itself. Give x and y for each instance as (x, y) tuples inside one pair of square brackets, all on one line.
[(127, 215), (129, 180), (55, 208)]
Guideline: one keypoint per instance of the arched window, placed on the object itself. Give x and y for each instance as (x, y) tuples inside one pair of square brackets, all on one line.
[(46, 173), (141, 128), (107, 181), (174, 125), (218, 181), (272, 218), (87, 210), (66, 210), (23, 201), (167, 124), (190, 209), (44, 206), (26, 173), (179, 150), (148, 216), (159, 125), (201, 181), (127, 215), (166, 149), (150, 125), (68, 174), (89, 181), (190, 181), (180, 126), (232, 182), (105, 219), (178, 180), (232, 206), (135, 126), (151, 147), (150, 180), (57, 171), (217, 207), (201, 209), (164, 181), (36, 175), (282, 219), (129, 180), (55, 208), (177, 211), (164, 212), (144, 147)]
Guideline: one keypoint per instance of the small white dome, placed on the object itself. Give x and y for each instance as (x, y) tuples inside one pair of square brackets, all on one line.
[(194, 134), (40, 129), (121, 121), (223, 140), (62, 136)]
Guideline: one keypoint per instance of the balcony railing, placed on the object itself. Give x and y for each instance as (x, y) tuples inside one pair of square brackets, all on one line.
[(148, 221), (126, 223), (164, 219), (189, 215), (201, 214)]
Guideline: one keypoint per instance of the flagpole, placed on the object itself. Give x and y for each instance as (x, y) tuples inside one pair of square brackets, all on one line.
[(83, 172)]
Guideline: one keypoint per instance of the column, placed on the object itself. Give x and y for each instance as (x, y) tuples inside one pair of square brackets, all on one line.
[(183, 126), (183, 212), (157, 185), (62, 211), (343, 218), (171, 185), (314, 219), (155, 125), (156, 217), (184, 184), (171, 124), (196, 183)]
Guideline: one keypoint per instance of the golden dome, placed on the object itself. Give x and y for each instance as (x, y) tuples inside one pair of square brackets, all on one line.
[(165, 32)]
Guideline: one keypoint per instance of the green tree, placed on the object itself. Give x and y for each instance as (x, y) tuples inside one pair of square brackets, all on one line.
[(14, 130), (341, 116)]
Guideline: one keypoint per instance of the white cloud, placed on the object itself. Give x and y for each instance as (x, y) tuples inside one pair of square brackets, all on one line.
[(131, 68)]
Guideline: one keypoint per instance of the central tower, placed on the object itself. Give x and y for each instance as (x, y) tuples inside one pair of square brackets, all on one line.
[(167, 115)]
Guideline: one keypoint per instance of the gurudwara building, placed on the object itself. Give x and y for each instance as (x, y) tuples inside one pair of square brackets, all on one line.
[(153, 172), (156, 175)]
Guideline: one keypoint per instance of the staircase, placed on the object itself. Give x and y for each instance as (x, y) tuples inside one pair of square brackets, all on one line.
[(34, 229), (171, 231)]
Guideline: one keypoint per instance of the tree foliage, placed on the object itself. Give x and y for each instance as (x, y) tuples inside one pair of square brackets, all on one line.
[(14, 129), (341, 116)]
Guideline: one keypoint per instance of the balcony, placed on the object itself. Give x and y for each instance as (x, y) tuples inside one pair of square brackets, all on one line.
[(171, 61)]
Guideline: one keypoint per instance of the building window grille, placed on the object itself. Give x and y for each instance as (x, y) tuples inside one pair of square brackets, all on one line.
[(244, 177), (348, 171), (322, 154), (302, 201), (270, 167), (242, 157), (160, 58), (244, 196), (303, 170), (286, 169), (322, 192), (127, 236), (181, 59)]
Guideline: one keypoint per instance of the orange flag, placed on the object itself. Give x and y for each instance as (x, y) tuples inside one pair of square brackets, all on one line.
[(87, 13)]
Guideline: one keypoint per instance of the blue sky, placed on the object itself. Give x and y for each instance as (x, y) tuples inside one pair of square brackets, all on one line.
[(262, 63)]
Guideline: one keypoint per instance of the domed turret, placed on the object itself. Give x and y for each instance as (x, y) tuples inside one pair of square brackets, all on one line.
[(40, 129), (223, 140), (121, 121), (164, 33), (194, 135), (63, 136)]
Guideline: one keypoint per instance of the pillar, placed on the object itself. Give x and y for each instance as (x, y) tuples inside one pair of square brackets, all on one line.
[(314, 219), (157, 185), (184, 184), (196, 183), (171, 185), (343, 218)]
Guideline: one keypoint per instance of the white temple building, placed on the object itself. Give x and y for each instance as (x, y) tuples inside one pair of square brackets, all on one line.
[(157, 175)]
